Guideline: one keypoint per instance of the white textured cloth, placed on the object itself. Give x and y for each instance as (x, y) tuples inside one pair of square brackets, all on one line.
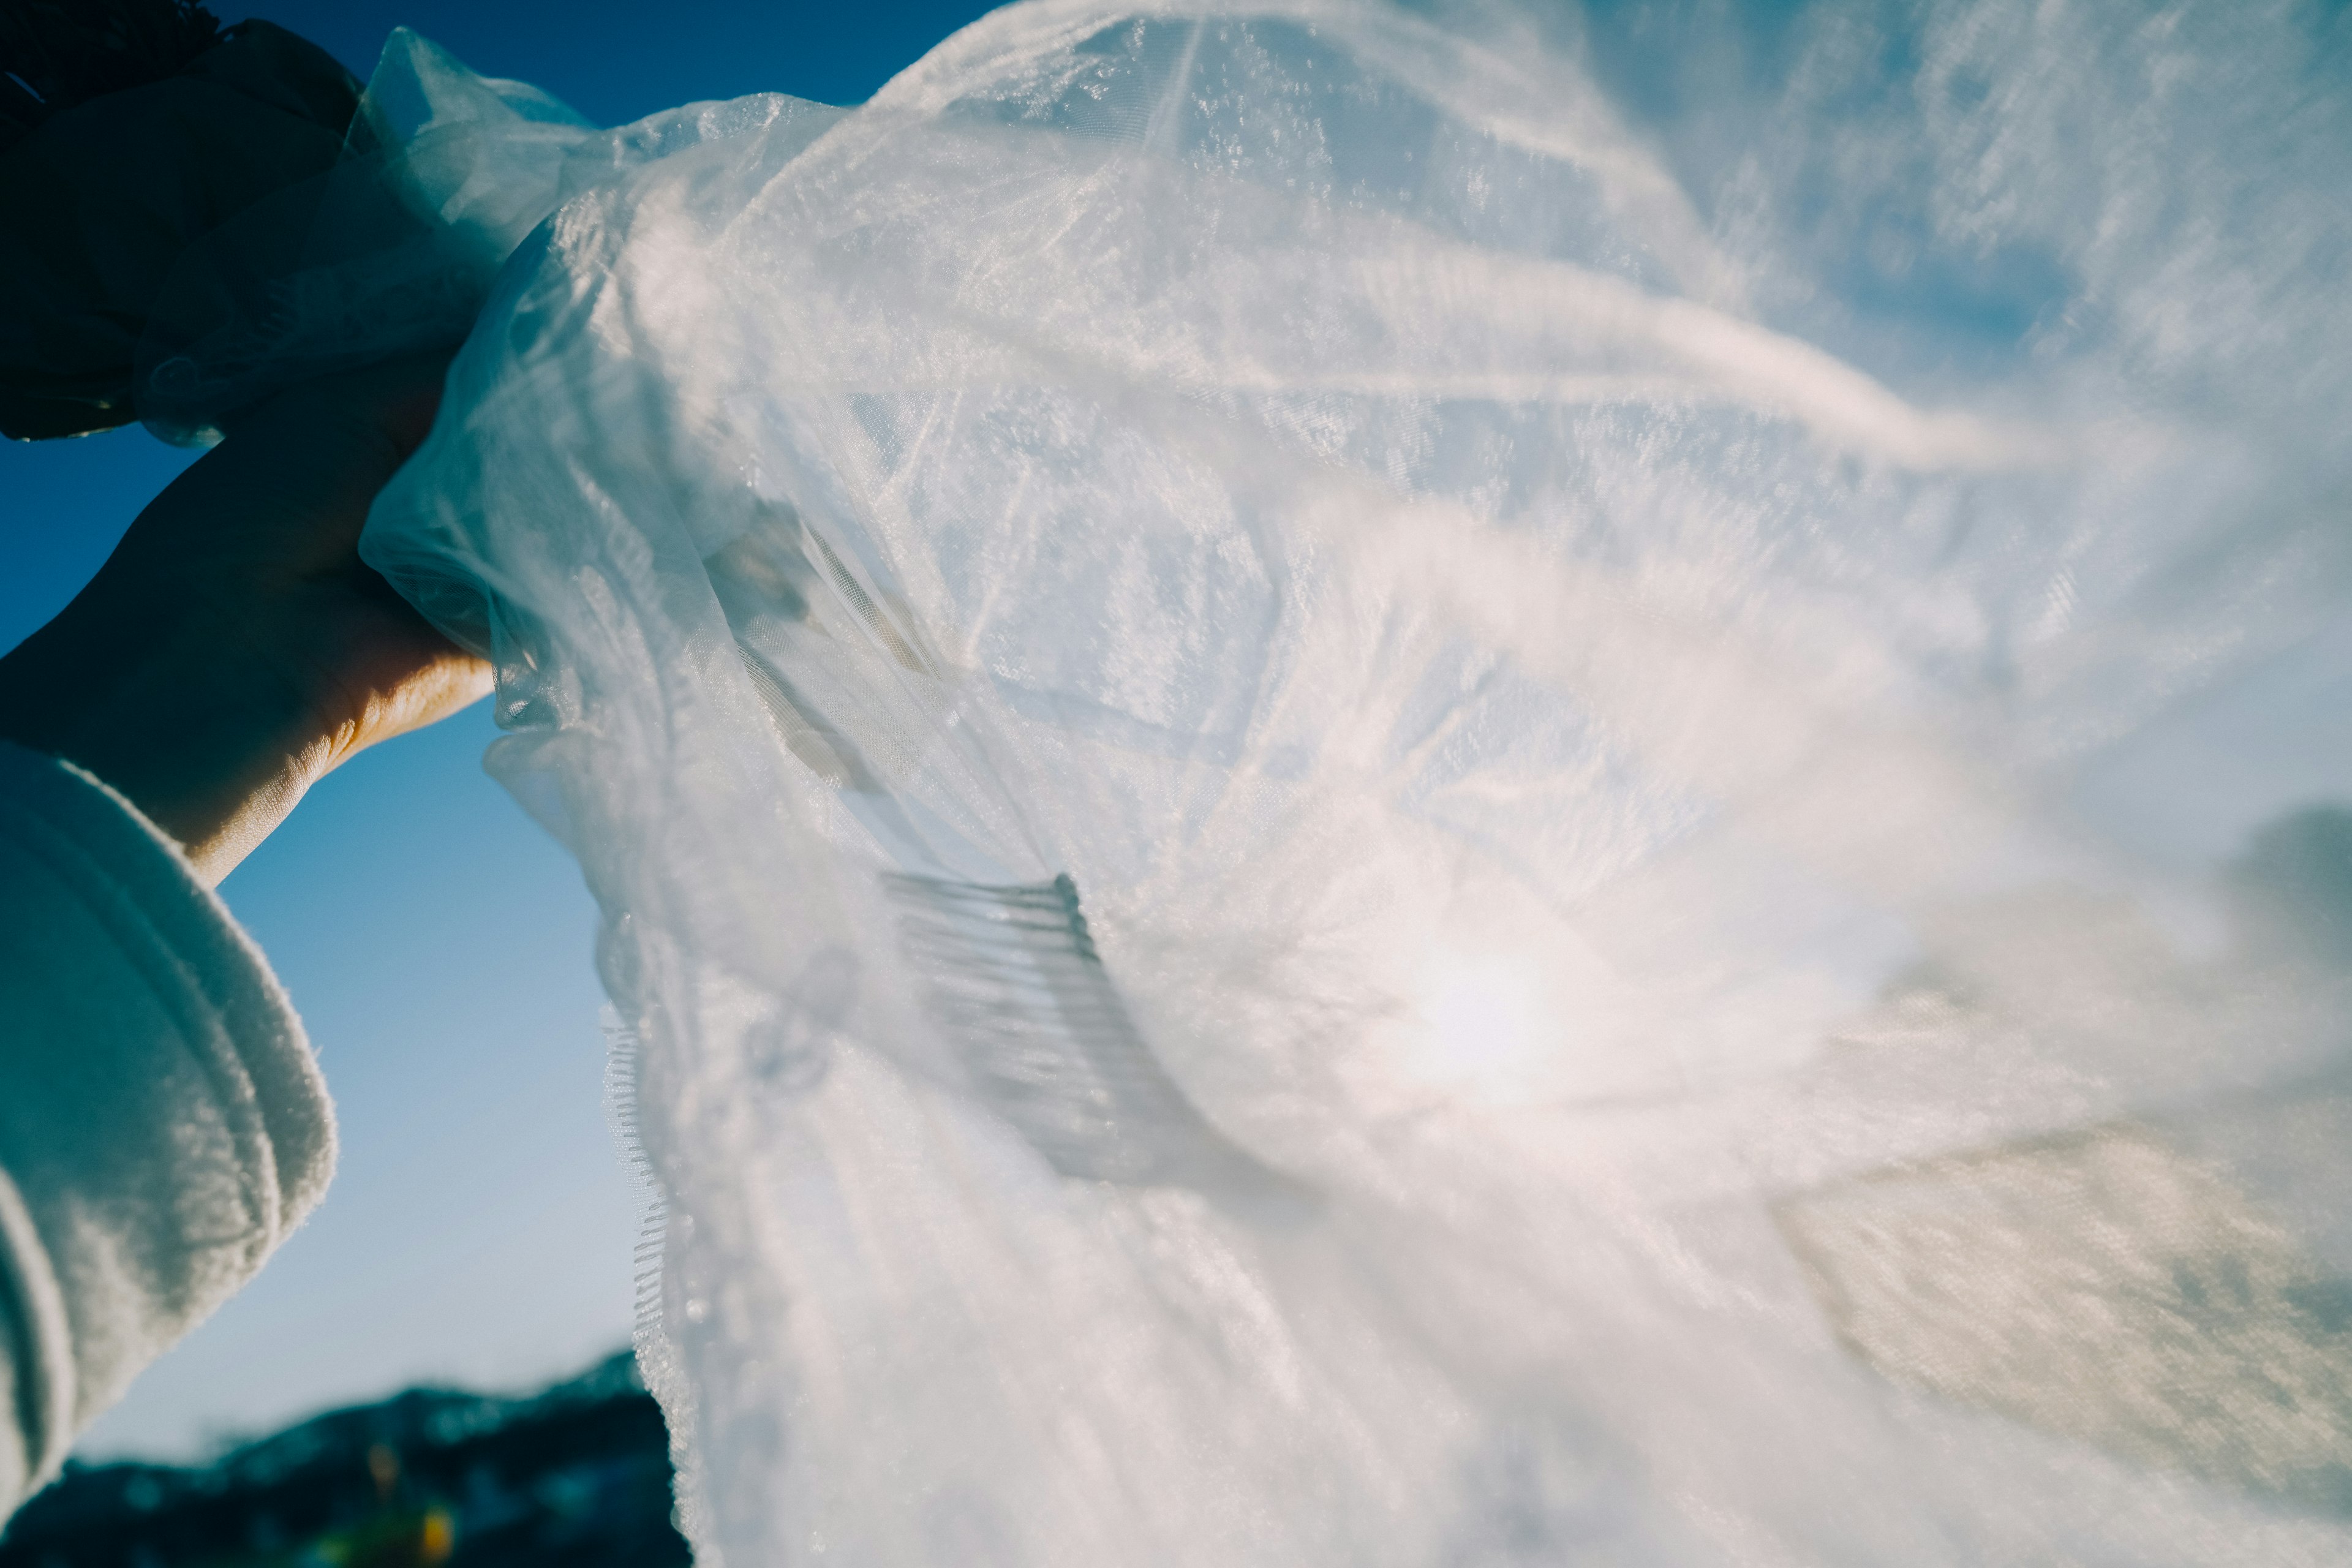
[(1338, 773), (162, 1124)]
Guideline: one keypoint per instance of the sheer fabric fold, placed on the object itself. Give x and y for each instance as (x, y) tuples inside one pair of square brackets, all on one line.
[(1330, 758)]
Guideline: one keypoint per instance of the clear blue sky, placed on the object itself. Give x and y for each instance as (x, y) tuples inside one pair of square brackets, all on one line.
[(437, 942)]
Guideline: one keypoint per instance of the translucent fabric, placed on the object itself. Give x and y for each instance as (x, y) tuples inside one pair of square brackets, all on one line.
[(1331, 758)]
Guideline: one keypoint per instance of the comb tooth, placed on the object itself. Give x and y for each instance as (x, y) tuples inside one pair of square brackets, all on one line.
[(1014, 980)]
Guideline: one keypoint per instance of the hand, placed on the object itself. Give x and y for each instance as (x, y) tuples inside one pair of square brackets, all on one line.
[(234, 649)]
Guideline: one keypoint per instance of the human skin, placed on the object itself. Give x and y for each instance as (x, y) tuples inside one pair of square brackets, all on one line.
[(235, 650)]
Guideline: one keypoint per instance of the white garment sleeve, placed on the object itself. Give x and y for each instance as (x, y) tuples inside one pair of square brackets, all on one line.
[(162, 1124)]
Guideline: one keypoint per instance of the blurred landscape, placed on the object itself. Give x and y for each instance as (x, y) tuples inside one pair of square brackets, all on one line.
[(579, 1475)]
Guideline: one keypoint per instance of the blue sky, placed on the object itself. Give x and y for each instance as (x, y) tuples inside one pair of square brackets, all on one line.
[(436, 941)]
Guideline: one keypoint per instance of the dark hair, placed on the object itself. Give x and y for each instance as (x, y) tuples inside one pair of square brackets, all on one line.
[(55, 54), (141, 143)]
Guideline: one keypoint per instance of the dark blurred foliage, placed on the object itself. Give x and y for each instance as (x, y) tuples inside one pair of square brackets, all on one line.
[(579, 1475)]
